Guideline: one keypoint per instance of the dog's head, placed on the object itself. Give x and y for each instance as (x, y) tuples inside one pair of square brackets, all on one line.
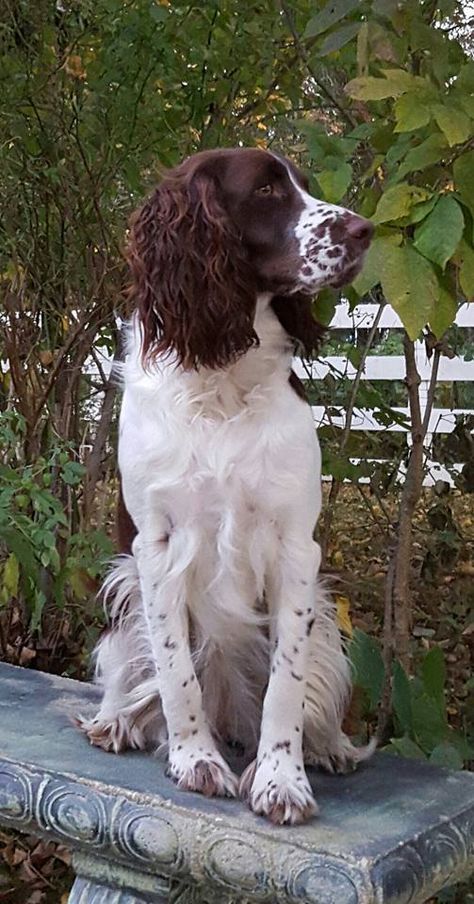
[(221, 228)]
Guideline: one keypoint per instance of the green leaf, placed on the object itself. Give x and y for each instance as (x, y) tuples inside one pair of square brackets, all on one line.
[(411, 112), (15, 541), (425, 37), (429, 724), (405, 747), (410, 286), (438, 236), (419, 212), (433, 673), (445, 309), (466, 270), (371, 272), (369, 88), (394, 83), (381, 45), (334, 183), (463, 169), (425, 154), (337, 39), (325, 305), (367, 662), (455, 124), (465, 79), (11, 574), (320, 144), (462, 745), (363, 48), (333, 12), (446, 755), (466, 101), (159, 13), (386, 8), (38, 606), (401, 698), (397, 201), (354, 355), (72, 473)]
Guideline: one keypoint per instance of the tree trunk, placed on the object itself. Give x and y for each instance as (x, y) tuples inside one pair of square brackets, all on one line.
[(399, 606), (95, 457)]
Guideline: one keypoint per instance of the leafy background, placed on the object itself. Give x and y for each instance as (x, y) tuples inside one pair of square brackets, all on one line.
[(375, 99)]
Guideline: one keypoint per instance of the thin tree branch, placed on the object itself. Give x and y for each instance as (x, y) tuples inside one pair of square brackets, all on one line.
[(346, 114), (431, 390), (337, 483)]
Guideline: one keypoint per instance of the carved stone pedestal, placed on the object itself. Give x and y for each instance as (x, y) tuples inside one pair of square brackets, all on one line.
[(395, 832), (86, 892), (102, 881)]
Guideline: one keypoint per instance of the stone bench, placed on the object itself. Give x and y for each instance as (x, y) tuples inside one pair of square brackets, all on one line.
[(396, 831)]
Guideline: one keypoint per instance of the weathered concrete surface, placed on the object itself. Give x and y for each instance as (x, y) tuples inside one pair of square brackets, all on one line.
[(395, 831)]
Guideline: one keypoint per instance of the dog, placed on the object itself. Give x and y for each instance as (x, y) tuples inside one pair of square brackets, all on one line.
[(220, 628)]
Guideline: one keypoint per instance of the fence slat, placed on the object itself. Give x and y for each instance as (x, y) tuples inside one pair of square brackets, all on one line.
[(391, 368), (387, 367), (363, 317), (442, 420)]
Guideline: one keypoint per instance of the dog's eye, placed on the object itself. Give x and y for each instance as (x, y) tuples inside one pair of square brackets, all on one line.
[(265, 189)]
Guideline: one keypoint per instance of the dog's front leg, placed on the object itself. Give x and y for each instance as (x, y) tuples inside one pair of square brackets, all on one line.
[(194, 760), (276, 785)]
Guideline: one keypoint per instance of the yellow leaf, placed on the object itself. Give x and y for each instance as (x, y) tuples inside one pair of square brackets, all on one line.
[(73, 66), (77, 585), (342, 614), (338, 559), (11, 575), (27, 655), (466, 569), (14, 273)]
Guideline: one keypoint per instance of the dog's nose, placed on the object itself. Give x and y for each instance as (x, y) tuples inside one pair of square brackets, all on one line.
[(360, 229)]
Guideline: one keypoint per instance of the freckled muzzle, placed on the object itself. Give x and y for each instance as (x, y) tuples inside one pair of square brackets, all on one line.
[(333, 242)]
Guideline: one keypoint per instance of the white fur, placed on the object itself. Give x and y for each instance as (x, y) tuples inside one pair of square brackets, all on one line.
[(221, 475)]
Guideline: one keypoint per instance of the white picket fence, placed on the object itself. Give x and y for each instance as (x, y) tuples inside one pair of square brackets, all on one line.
[(388, 368), (377, 367)]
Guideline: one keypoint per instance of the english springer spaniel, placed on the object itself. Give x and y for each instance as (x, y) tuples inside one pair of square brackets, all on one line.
[(220, 629)]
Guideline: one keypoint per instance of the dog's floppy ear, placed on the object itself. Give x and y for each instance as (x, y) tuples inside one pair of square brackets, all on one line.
[(190, 276), (295, 313)]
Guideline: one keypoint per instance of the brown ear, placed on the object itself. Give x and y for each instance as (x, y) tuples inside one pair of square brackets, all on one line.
[(295, 313), (190, 277)]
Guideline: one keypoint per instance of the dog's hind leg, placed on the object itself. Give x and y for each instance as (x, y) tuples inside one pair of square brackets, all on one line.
[(130, 714), (328, 694)]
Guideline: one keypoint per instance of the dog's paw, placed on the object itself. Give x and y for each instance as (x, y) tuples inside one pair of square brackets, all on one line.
[(112, 735), (278, 790), (202, 769)]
